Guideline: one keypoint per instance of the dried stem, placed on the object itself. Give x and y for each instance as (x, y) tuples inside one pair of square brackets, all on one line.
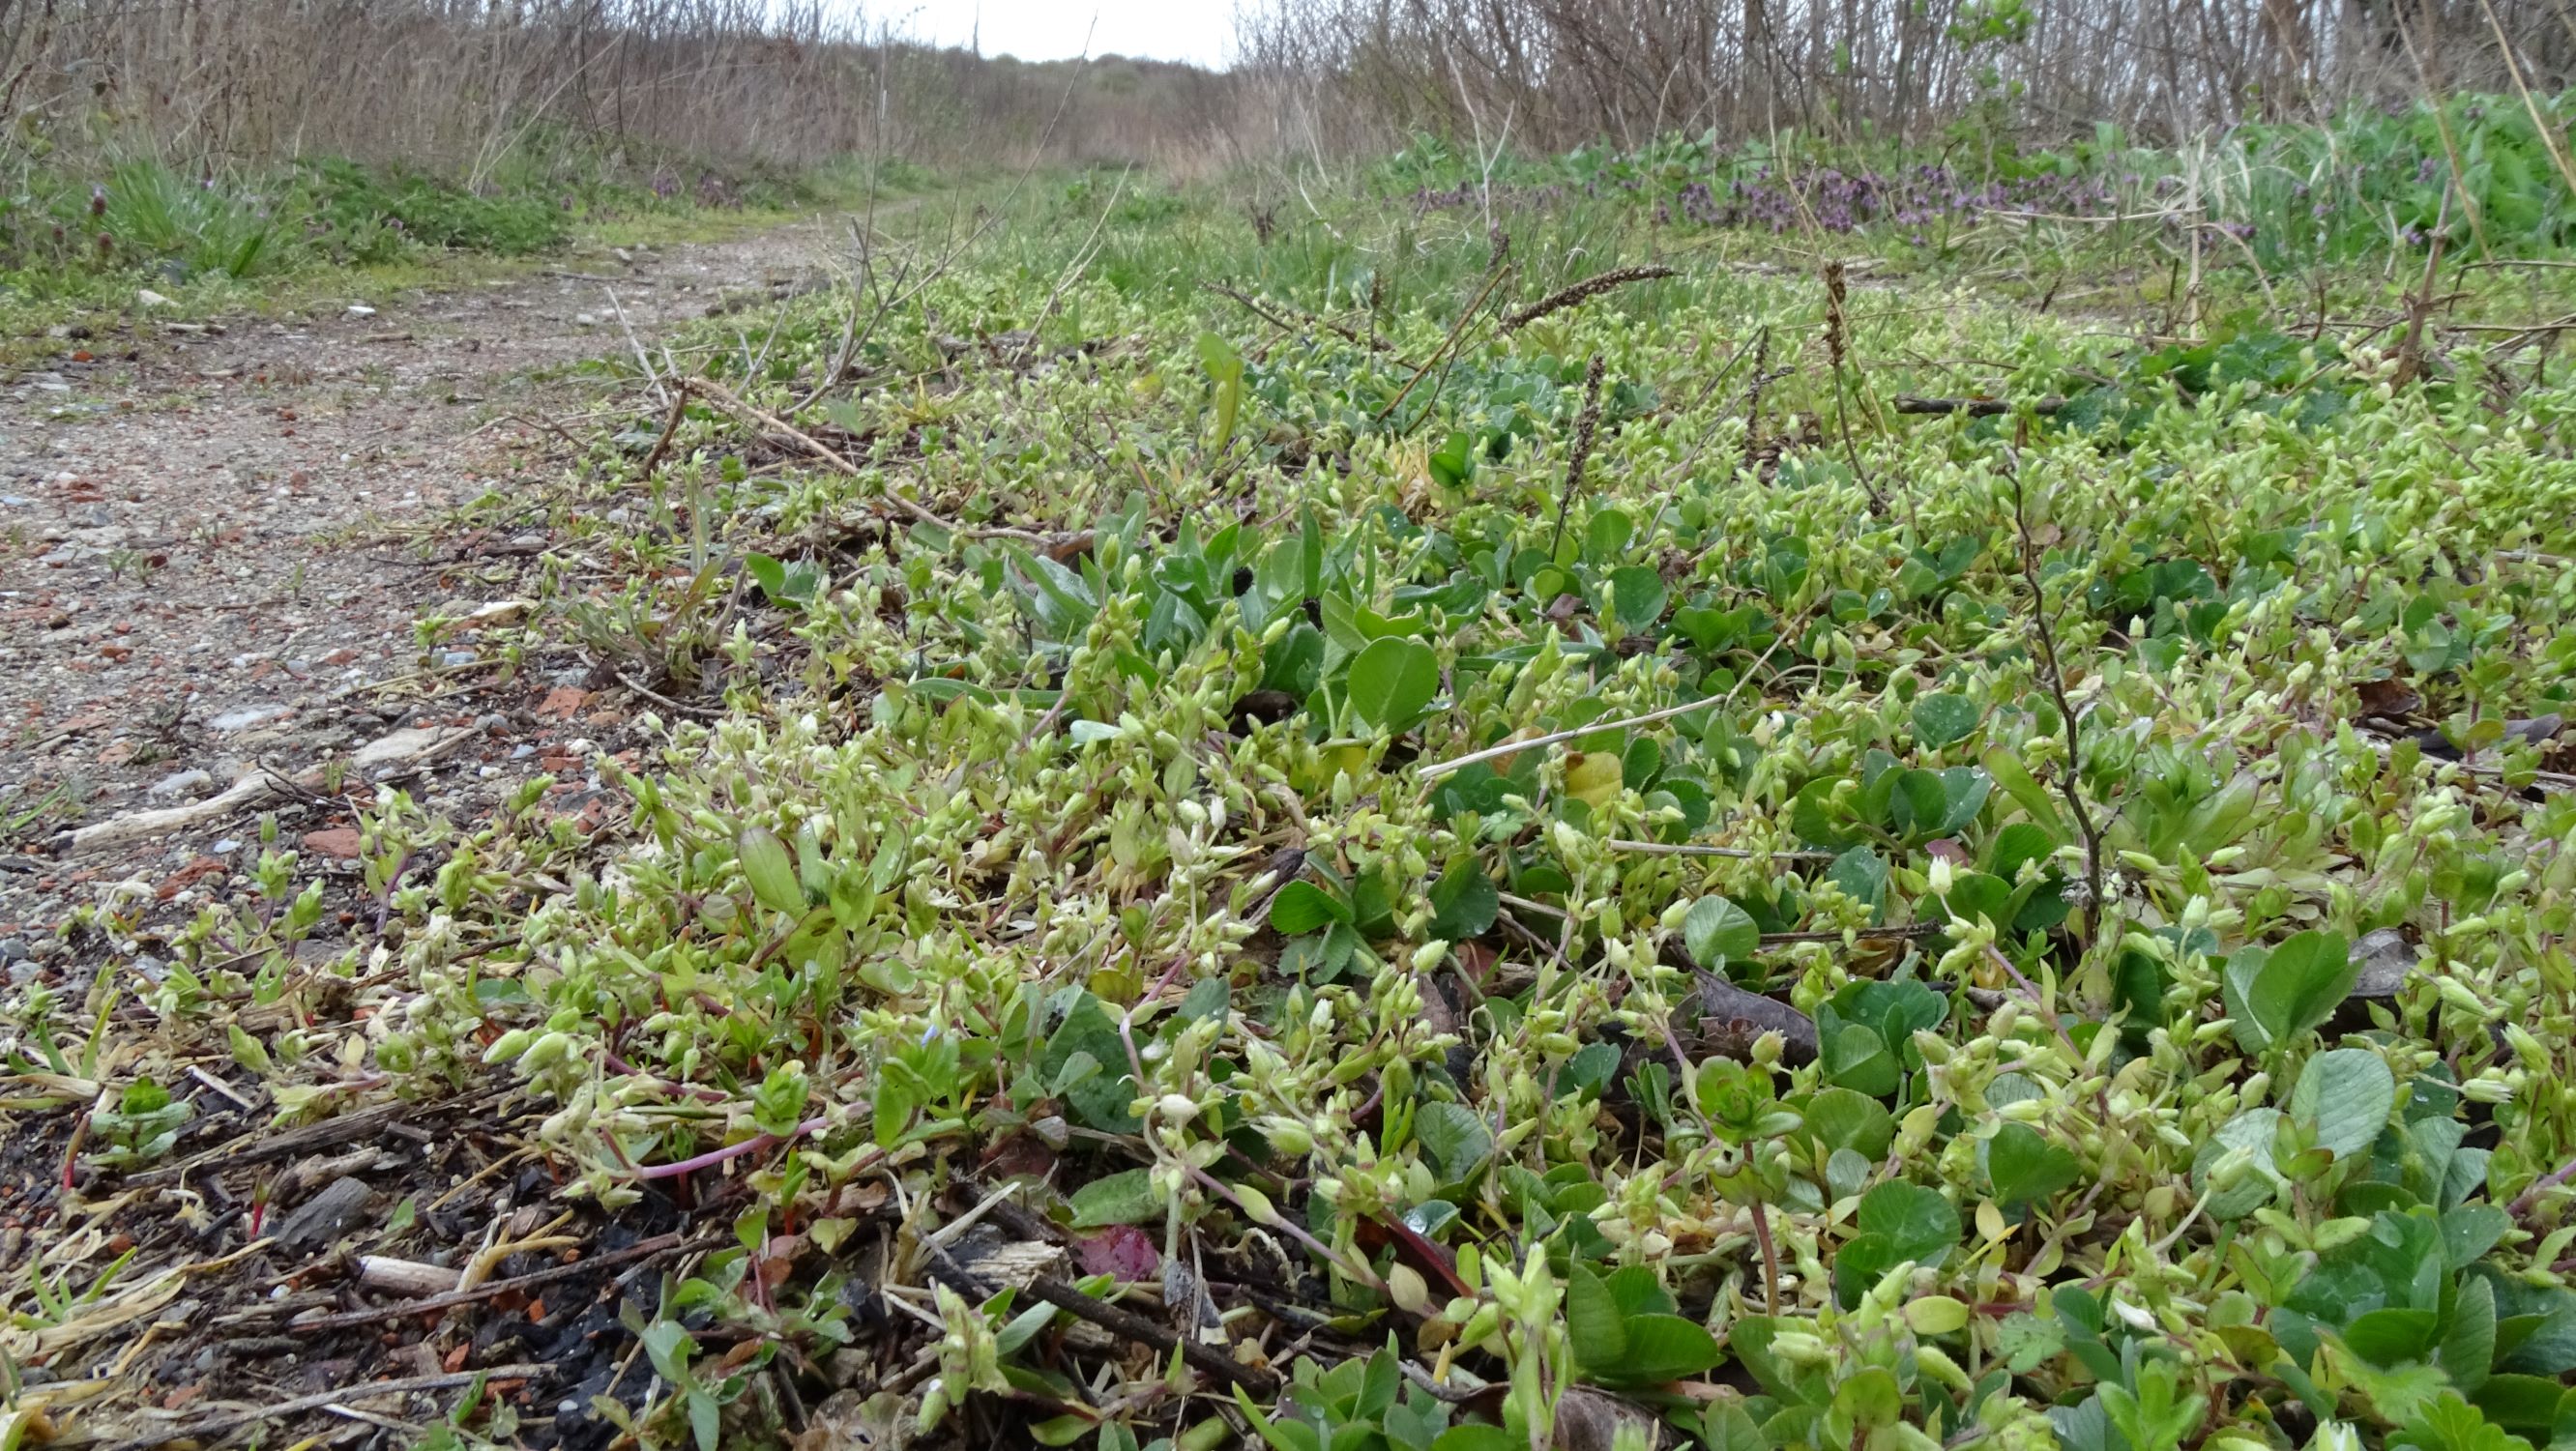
[(1580, 293), (1585, 426), (2055, 679), (1456, 331)]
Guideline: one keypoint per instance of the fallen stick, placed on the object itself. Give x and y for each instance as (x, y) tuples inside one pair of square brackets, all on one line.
[(1975, 407), (254, 1149), (405, 1277), (653, 1248), (1128, 1325), (221, 1424), (1347, 334), (410, 749), (1206, 1359), (733, 403), (1694, 848)]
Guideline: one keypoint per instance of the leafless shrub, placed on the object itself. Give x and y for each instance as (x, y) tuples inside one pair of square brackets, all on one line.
[(1358, 75), (458, 84)]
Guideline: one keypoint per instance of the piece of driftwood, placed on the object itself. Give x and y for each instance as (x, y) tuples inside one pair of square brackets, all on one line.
[(405, 1277), (410, 749)]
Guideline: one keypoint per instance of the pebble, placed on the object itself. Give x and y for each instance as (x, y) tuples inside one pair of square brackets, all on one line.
[(178, 784), (225, 847), (12, 950), (246, 717), (341, 842), (456, 657)]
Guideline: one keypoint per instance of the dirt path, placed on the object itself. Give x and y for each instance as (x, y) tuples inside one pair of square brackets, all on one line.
[(211, 542)]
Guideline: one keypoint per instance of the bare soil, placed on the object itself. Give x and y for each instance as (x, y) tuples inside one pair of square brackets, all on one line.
[(215, 541)]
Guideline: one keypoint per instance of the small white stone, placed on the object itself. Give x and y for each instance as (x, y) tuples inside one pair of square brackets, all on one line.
[(180, 784)]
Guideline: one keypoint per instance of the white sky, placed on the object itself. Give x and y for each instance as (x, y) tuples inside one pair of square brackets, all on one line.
[(1191, 30)]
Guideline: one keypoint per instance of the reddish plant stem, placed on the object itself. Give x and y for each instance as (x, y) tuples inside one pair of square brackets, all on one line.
[(708, 1160)]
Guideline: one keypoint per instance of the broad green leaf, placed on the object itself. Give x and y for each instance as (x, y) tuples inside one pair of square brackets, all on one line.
[(1464, 903), (2344, 1097), (2470, 1230), (2255, 1181), (1637, 594), (1942, 718), (1839, 1118), (2299, 983), (1594, 1325), (2467, 1352), (1855, 1057), (1455, 1137), (2390, 1337), (1392, 681), (1726, 1427), (2025, 1167), (1302, 907), (1862, 874), (1966, 788), (1606, 535), (1665, 1347), (1103, 1097), (1919, 1223), (1225, 374), (2519, 1402), (1636, 1291), (1716, 931), (1127, 1197), (769, 869), (2448, 1423)]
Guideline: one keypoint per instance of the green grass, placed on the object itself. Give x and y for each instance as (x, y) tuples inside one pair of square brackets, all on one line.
[(73, 243), (1607, 861)]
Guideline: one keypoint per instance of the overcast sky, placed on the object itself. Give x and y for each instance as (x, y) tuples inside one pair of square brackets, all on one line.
[(1191, 30)]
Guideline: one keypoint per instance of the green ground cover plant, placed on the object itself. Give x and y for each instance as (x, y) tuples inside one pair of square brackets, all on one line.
[(1721, 856)]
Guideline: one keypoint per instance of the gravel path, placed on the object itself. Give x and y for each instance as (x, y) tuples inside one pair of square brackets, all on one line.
[(213, 539)]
